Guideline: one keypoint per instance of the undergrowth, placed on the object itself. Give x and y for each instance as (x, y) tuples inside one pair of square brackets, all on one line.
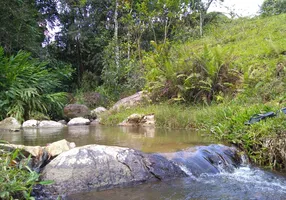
[(17, 179)]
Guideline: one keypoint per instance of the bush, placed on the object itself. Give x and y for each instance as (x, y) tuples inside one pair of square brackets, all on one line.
[(189, 76), (28, 86)]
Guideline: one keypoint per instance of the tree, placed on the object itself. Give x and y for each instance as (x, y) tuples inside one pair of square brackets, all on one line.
[(85, 31), (273, 7), (202, 6), (21, 26)]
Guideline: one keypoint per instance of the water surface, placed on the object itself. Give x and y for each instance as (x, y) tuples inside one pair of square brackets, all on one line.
[(140, 138), (245, 183)]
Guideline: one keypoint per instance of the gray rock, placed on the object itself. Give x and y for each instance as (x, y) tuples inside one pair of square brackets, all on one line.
[(148, 121), (78, 121), (99, 110), (139, 120), (52, 149), (130, 101), (10, 123), (49, 123), (32, 123), (76, 110), (101, 167), (210, 159), (56, 148)]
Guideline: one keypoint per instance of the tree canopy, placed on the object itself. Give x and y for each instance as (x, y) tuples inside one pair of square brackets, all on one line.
[(273, 7)]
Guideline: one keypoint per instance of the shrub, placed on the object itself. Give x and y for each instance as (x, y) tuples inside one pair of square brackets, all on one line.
[(181, 74), (28, 86)]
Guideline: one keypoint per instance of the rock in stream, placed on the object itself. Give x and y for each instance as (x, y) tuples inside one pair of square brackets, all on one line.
[(96, 167), (99, 167)]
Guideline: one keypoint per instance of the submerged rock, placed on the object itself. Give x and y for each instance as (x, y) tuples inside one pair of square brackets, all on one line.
[(100, 167), (76, 110), (10, 123)]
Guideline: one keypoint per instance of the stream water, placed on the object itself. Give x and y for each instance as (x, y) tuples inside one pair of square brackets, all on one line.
[(244, 183)]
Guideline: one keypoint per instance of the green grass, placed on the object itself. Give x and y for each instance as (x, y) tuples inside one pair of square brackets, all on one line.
[(257, 41)]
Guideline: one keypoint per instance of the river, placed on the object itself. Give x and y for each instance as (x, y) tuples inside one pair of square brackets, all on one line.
[(246, 182)]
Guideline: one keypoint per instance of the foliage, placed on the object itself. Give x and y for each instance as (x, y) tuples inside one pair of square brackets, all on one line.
[(20, 26), (28, 86), (16, 177), (82, 37), (181, 74), (122, 81), (273, 7)]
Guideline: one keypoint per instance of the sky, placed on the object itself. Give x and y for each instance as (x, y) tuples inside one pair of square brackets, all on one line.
[(241, 7)]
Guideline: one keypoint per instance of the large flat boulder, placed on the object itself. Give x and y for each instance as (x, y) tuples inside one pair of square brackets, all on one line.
[(130, 101), (94, 167), (10, 123), (76, 110)]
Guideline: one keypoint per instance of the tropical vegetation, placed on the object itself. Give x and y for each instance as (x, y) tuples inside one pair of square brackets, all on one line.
[(204, 70), (17, 179)]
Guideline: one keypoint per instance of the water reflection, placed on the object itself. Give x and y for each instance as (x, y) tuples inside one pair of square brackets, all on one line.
[(142, 138)]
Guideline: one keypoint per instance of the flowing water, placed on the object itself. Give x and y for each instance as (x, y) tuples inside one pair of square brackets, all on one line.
[(244, 183)]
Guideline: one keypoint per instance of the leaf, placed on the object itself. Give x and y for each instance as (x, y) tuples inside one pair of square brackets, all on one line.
[(47, 182)]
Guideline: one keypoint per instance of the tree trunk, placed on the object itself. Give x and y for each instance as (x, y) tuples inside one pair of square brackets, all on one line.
[(201, 24), (116, 35), (166, 30)]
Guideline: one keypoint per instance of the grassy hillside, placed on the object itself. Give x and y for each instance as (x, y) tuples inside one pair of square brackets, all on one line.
[(254, 42), (233, 55), (253, 49)]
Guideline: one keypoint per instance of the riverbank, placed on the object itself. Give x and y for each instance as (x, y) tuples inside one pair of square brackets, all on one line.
[(225, 122)]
